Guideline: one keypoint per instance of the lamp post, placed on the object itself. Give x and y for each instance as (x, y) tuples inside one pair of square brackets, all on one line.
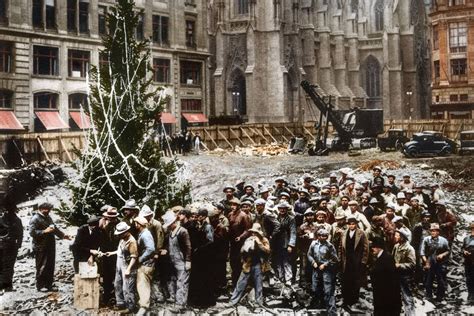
[(235, 101), (409, 93)]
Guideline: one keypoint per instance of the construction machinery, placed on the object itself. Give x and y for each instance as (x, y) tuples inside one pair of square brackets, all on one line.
[(354, 129)]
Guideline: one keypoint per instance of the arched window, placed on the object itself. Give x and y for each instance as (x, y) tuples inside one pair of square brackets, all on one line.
[(372, 79), (77, 100), (45, 100), (379, 15), (6, 97), (241, 6), (354, 6)]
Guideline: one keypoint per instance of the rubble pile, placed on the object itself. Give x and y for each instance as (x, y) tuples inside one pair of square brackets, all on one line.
[(263, 151), (385, 164)]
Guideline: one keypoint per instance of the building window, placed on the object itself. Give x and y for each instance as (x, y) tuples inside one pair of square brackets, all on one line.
[(190, 73), (456, 2), (191, 105), (453, 97), (161, 70), (435, 37), (436, 69), (77, 101), (379, 8), (78, 16), (3, 11), (160, 29), (459, 69), (6, 97), (50, 10), (78, 63), (45, 60), (372, 77), (43, 10), (458, 37), (37, 13), (103, 60), (6, 56), (463, 97), (437, 98), (241, 6), (102, 13), (45, 100), (139, 31), (190, 33), (354, 6)]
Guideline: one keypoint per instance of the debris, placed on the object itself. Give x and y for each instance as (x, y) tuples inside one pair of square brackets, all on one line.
[(424, 166), (385, 164)]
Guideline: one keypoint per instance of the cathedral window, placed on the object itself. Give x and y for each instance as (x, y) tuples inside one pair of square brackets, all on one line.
[(373, 77), (379, 15), (241, 7), (456, 2), (354, 6)]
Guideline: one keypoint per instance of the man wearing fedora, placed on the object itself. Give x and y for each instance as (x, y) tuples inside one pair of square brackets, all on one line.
[(43, 232), (385, 281), (126, 271), (468, 253), (255, 253), (435, 253), (146, 263), (109, 242), (301, 205), (130, 211), (179, 250), (305, 233), (87, 242), (229, 192), (354, 258), (447, 221), (322, 258)]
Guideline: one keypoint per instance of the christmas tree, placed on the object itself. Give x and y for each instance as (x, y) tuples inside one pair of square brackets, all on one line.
[(122, 160)]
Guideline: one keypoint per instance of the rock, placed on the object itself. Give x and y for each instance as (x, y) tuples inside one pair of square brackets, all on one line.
[(424, 166)]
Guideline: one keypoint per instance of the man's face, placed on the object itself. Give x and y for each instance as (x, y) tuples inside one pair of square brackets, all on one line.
[(320, 218), (354, 208), (406, 179), (181, 217), (265, 195), (391, 180), (260, 208), (344, 202), (334, 190), (302, 195), (418, 190), (323, 204), (229, 194), (425, 219), (127, 213), (365, 201), (376, 251), (282, 211), (245, 208), (350, 187), (248, 191), (201, 218), (376, 173), (279, 184), (390, 213), (352, 225), (309, 218), (323, 238), (312, 189), (149, 217), (283, 198), (44, 211), (341, 222), (234, 206), (414, 203), (400, 201), (193, 217), (434, 233), (386, 190)]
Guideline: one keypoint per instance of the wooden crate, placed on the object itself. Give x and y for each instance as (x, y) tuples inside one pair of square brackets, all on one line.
[(86, 292)]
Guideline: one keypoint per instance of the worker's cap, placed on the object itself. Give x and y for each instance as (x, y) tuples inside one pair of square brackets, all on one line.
[(340, 216), (220, 206), (140, 220), (304, 191), (366, 195), (397, 219), (353, 202), (309, 211), (239, 182), (345, 170), (246, 202), (121, 228), (365, 181), (402, 233), (168, 218), (373, 201), (307, 176), (203, 212), (130, 204), (145, 211), (323, 232), (377, 242), (434, 226), (234, 201), (280, 179), (352, 219), (249, 186), (228, 187), (284, 193), (390, 206), (425, 214), (440, 202), (264, 190), (401, 195), (349, 182), (321, 212), (415, 199), (434, 185), (406, 175), (377, 168), (260, 202), (283, 205), (333, 175), (93, 220)]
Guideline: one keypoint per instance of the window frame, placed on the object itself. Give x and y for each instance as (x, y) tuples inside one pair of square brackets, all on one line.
[(102, 20), (4, 12), (186, 67), (435, 37), (190, 33), (50, 102), (6, 57), (458, 67), (3, 98), (85, 62), (458, 41), (241, 7), (54, 67), (165, 69), (191, 106), (77, 94), (160, 29)]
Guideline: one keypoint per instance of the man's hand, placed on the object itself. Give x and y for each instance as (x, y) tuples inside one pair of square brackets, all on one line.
[(48, 230), (237, 239), (466, 253), (439, 257), (427, 266), (90, 261), (315, 265), (187, 265), (163, 252), (67, 237), (322, 267), (94, 252), (397, 265), (128, 272), (290, 249)]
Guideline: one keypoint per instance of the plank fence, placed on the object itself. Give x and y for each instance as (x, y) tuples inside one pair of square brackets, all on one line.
[(60, 146)]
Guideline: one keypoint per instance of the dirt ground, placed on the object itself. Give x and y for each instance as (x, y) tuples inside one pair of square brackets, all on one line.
[(209, 172)]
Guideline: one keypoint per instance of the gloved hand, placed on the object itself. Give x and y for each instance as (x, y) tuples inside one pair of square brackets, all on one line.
[(187, 265)]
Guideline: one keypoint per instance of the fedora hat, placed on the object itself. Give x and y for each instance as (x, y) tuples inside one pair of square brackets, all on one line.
[(93, 220), (111, 213), (256, 228), (234, 201), (140, 220), (168, 218), (378, 242), (284, 204), (434, 226), (228, 187), (121, 228), (145, 211), (130, 205)]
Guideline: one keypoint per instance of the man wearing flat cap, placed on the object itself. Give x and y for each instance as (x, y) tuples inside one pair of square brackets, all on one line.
[(354, 258), (377, 180), (130, 210), (420, 231), (239, 224), (301, 205), (405, 262), (43, 232), (361, 219), (435, 253), (306, 234), (285, 245), (280, 186), (322, 257), (385, 281), (87, 242), (447, 221)]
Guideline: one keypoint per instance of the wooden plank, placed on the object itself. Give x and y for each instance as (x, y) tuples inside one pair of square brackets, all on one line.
[(281, 134), (65, 150), (247, 135), (86, 293), (225, 138), (309, 133), (237, 136), (42, 148), (291, 133), (210, 137), (259, 133), (268, 132)]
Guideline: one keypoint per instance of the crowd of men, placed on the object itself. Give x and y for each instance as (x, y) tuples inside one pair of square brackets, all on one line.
[(398, 233), (180, 143)]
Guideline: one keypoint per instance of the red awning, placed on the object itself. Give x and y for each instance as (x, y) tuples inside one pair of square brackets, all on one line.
[(82, 120), (8, 121), (168, 118), (51, 120), (195, 118)]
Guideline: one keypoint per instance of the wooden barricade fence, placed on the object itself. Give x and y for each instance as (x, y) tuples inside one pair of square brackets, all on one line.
[(60, 146)]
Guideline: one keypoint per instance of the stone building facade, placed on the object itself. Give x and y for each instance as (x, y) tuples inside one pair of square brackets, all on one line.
[(452, 28), (362, 52), (47, 47)]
